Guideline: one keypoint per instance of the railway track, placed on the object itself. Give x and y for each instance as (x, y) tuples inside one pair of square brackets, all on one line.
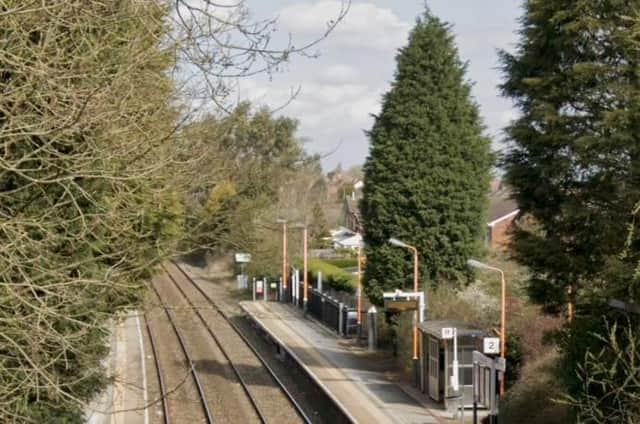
[(202, 398), (161, 384), (258, 401)]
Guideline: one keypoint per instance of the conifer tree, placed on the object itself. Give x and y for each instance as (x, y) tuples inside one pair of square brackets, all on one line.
[(574, 166), (427, 173), (575, 153)]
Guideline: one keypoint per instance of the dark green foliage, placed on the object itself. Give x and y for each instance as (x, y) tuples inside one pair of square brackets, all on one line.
[(574, 166), (603, 367), (427, 173), (574, 162)]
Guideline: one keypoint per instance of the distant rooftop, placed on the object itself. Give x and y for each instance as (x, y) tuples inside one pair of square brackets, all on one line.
[(500, 202)]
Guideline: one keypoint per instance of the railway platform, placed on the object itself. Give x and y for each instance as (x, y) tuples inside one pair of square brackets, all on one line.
[(356, 380)]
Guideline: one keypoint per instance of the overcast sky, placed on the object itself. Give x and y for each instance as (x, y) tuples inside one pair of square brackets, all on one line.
[(341, 88)]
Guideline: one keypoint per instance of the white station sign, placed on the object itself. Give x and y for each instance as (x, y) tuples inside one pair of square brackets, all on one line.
[(242, 258), (491, 345), (447, 333)]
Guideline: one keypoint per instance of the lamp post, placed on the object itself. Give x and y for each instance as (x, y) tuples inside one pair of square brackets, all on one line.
[(284, 251), (360, 259), (503, 309), (305, 255), (399, 243)]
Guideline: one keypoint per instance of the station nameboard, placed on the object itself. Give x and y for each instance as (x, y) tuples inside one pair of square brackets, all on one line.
[(242, 258), (401, 305)]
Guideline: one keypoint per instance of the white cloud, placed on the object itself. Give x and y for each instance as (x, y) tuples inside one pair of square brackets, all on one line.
[(365, 25), (338, 73), (344, 86)]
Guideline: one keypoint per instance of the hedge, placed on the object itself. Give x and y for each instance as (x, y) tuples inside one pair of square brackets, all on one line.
[(343, 262), (332, 276)]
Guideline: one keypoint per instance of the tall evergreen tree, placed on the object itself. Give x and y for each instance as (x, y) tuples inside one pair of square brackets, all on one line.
[(574, 162), (574, 165), (427, 173)]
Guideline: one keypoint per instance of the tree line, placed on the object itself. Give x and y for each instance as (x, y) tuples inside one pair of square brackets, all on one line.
[(120, 145), (572, 162)]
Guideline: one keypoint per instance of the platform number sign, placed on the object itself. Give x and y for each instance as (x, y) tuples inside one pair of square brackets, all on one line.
[(447, 333), (491, 345)]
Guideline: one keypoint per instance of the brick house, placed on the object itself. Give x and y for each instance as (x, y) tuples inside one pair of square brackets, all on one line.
[(502, 211)]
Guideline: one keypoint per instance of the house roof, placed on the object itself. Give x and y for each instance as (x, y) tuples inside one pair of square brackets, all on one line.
[(501, 205), (355, 240), (341, 233)]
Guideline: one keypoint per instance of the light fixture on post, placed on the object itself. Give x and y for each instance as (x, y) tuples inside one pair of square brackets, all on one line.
[(361, 260), (305, 250), (399, 243), (503, 308), (284, 251)]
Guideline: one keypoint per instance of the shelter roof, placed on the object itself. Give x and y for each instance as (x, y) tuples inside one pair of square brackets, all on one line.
[(434, 328)]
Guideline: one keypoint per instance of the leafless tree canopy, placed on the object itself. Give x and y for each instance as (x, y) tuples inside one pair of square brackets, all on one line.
[(93, 98)]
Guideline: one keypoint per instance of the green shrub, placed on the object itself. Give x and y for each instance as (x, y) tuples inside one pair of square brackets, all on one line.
[(531, 399), (332, 276), (343, 262)]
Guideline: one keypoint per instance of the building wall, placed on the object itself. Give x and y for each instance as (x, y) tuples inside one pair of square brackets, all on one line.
[(498, 234)]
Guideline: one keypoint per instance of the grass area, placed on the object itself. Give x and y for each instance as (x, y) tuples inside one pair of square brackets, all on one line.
[(343, 262)]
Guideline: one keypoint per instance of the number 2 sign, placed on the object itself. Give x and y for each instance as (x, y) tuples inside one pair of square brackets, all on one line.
[(491, 345)]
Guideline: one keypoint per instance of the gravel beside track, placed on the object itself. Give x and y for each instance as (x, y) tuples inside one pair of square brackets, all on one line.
[(263, 390), (317, 407), (183, 400), (225, 398)]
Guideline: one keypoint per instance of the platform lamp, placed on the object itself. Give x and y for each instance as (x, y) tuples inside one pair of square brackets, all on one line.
[(305, 254), (361, 261), (399, 243), (284, 251), (503, 309)]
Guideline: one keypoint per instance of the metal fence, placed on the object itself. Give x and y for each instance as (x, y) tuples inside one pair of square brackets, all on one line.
[(333, 308)]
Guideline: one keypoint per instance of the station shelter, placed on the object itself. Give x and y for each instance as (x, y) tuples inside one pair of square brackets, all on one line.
[(436, 361)]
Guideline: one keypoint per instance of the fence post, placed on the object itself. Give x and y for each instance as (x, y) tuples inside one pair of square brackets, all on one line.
[(254, 289), (373, 328), (320, 282), (297, 287), (340, 318), (265, 289), (476, 390)]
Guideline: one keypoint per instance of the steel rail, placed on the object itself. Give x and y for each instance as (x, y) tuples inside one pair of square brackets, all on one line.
[(192, 369), (241, 380), (237, 330), (156, 361)]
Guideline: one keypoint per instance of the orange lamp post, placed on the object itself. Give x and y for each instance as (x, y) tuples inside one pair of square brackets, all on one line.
[(399, 243), (284, 251), (361, 260)]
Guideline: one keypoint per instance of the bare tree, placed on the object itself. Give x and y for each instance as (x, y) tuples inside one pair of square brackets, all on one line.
[(93, 95)]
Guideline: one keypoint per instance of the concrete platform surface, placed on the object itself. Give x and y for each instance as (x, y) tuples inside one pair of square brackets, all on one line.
[(355, 380), (126, 400)]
